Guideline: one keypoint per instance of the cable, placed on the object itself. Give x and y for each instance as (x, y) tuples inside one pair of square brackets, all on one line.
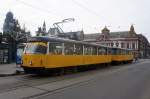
[(86, 8), (97, 15), (35, 7)]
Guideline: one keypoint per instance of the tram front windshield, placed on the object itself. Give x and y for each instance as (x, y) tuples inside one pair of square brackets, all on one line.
[(36, 48)]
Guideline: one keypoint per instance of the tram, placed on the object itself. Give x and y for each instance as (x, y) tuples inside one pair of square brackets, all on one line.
[(121, 55), (47, 53)]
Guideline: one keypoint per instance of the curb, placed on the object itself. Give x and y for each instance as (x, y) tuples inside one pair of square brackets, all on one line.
[(5, 75), (12, 74)]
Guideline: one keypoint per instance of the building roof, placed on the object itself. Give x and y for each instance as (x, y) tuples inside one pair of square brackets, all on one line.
[(91, 36), (120, 34), (107, 34), (143, 38)]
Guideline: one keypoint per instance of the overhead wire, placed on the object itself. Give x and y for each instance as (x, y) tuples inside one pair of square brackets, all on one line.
[(39, 8), (87, 9), (90, 11), (52, 13)]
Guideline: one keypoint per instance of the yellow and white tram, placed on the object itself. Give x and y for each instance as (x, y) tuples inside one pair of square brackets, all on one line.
[(45, 53)]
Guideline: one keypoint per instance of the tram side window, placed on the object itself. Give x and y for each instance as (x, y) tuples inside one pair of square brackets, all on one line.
[(121, 51), (109, 51), (94, 50), (78, 49), (127, 52), (118, 51), (130, 53), (87, 50), (113, 51), (101, 51), (55, 48), (69, 48), (124, 52)]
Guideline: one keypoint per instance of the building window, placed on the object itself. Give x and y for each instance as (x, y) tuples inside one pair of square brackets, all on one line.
[(103, 36), (133, 45), (122, 45), (117, 44), (107, 44), (127, 45), (112, 44)]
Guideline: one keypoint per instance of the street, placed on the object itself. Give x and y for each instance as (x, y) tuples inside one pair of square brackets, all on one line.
[(131, 81)]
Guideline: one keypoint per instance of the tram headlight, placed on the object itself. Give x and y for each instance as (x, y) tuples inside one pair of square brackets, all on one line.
[(30, 62)]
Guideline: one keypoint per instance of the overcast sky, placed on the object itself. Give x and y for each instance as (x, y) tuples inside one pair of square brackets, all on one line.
[(90, 15)]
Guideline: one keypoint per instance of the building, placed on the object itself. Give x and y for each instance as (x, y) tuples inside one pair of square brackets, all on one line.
[(76, 35), (149, 51), (143, 48), (42, 30), (9, 23), (121, 39), (4, 57), (12, 35)]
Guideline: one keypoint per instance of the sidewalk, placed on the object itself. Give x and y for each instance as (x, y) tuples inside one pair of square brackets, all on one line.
[(139, 60), (8, 69)]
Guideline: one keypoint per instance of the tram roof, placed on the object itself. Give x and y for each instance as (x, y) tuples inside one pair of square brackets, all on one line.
[(47, 39), (57, 39)]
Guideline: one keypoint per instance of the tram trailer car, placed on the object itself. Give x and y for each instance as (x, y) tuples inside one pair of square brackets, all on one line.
[(121, 55), (49, 53)]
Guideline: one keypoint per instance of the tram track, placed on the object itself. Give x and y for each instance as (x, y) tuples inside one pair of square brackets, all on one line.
[(58, 91), (53, 91), (28, 82), (24, 81), (78, 83), (32, 81)]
